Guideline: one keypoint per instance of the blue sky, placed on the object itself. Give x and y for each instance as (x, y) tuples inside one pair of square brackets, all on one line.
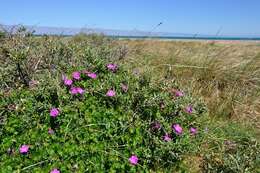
[(235, 17)]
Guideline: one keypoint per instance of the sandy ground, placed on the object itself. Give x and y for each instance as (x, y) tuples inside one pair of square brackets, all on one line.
[(201, 40)]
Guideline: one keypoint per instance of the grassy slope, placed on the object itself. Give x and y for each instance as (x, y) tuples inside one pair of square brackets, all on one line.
[(226, 75)]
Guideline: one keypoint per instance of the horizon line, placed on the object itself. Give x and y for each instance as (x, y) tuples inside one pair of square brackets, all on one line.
[(157, 33)]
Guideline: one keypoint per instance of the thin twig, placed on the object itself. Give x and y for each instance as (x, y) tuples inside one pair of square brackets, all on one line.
[(39, 163), (99, 124), (181, 66)]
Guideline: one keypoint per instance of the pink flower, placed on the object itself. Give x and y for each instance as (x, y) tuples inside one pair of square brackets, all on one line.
[(162, 105), (177, 128), (156, 125), (167, 137), (55, 170), (124, 87), (189, 109), (76, 90), (33, 83), (111, 93), (73, 90), (193, 131), (92, 75), (76, 75), (179, 93), (24, 149), (66, 81), (54, 112), (133, 160), (50, 131), (112, 67), (80, 90)]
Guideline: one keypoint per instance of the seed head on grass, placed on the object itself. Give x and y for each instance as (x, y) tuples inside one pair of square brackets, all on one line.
[(124, 87)]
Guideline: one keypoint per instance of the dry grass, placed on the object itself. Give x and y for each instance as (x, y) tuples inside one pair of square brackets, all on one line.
[(225, 74)]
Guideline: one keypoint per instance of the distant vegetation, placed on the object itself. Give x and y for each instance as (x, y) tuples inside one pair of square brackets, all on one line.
[(91, 103), (2, 34)]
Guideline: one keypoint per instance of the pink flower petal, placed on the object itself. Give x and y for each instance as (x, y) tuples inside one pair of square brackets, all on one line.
[(193, 131), (110, 93), (177, 129), (112, 67), (133, 160), (24, 149), (179, 93), (55, 170), (167, 137), (92, 75), (76, 75), (54, 112)]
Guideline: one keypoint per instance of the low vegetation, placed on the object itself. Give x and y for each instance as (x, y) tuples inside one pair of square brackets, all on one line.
[(90, 103)]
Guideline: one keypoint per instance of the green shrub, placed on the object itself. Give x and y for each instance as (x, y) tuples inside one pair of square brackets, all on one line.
[(95, 132), (2, 34), (25, 58)]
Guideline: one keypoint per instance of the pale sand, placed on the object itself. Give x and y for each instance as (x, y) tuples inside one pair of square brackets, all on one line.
[(199, 40)]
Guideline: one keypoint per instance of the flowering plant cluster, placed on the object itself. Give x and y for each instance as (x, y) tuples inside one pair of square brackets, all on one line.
[(113, 118)]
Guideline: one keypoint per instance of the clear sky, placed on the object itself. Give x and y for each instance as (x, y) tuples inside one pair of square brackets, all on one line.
[(236, 17)]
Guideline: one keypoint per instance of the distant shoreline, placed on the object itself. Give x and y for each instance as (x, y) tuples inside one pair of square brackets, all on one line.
[(177, 38), (125, 34)]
